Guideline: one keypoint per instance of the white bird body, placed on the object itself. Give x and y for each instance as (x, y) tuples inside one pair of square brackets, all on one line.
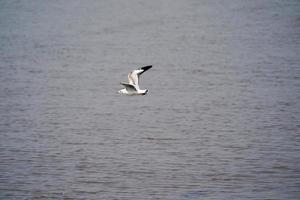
[(132, 87)]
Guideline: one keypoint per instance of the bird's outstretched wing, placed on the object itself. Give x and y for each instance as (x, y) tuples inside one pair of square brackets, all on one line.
[(133, 77), (129, 87)]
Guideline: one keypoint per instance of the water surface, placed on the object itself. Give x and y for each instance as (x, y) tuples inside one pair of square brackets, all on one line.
[(221, 120)]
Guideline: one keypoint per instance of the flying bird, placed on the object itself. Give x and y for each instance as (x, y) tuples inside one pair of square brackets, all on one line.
[(132, 87)]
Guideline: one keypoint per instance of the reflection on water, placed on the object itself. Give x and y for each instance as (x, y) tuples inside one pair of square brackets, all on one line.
[(221, 120)]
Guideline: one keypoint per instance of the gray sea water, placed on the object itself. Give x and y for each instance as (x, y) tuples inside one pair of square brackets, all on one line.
[(221, 119)]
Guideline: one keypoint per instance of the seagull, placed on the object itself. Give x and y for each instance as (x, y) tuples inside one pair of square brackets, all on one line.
[(132, 87)]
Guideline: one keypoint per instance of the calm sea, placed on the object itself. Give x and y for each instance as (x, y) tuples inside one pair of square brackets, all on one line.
[(221, 119)]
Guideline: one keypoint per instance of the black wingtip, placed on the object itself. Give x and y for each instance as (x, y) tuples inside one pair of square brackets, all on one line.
[(146, 67)]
